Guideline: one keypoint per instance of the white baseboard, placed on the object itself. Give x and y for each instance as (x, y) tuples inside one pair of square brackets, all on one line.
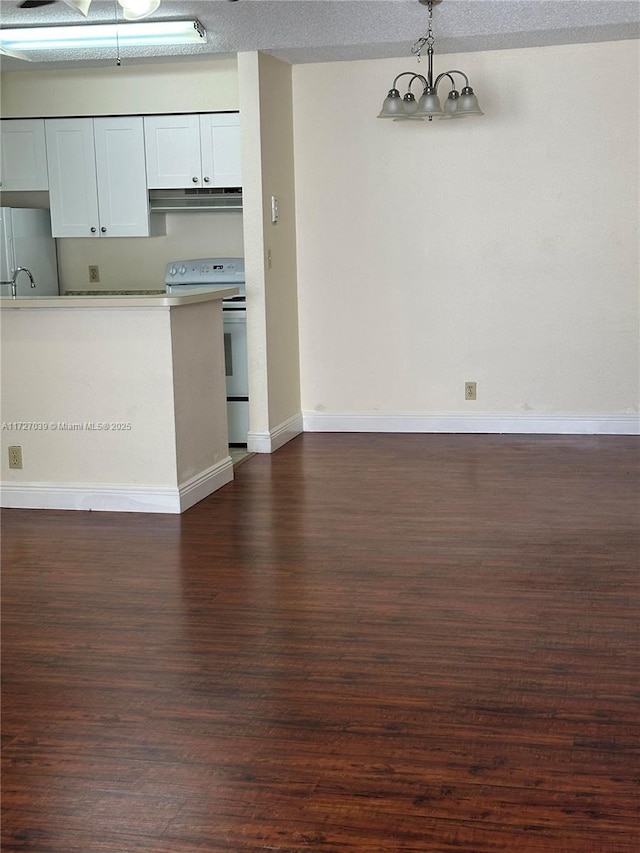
[(90, 496), (475, 423), (204, 484), (105, 497), (268, 442)]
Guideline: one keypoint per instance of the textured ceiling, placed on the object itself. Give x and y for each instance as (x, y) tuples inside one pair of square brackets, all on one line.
[(324, 30)]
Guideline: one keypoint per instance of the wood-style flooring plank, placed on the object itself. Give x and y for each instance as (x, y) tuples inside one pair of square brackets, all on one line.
[(364, 644)]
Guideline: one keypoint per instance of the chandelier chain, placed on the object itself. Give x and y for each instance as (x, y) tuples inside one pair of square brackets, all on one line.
[(427, 39)]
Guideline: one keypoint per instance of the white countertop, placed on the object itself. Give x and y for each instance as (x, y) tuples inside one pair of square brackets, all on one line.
[(104, 300)]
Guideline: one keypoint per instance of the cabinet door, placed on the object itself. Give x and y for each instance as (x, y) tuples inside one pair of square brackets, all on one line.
[(73, 193), (221, 153), (123, 201), (173, 151), (24, 155)]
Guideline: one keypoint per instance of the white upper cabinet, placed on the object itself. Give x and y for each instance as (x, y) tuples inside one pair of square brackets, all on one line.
[(173, 151), (23, 155), (97, 179), (193, 151), (123, 199), (220, 149), (73, 193)]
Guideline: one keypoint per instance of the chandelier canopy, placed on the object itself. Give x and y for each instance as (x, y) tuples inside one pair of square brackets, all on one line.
[(459, 104)]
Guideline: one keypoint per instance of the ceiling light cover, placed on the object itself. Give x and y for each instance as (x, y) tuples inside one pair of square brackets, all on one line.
[(83, 36)]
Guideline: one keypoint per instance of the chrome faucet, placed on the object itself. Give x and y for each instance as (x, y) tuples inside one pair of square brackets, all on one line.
[(14, 279)]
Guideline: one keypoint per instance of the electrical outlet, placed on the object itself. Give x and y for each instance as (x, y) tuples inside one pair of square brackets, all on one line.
[(470, 390), (15, 457), (94, 274)]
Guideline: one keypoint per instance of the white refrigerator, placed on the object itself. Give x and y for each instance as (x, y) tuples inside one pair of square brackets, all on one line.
[(26, 241)]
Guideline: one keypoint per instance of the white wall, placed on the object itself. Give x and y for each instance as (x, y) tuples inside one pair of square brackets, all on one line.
[(199, 388), (279, 239), (139, 262), (180, 87), (502, 249), (272, 309), (77, 365), (149, 380), (253, 225)]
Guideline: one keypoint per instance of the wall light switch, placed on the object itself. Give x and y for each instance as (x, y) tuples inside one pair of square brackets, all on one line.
[(274, 209)]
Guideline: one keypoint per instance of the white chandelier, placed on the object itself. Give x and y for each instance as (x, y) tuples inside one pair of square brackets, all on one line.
[(459, 104)]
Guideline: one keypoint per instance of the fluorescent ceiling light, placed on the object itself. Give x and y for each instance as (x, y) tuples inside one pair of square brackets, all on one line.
[(83, 36)]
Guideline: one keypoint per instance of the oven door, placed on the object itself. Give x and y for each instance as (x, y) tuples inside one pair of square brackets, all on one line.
[(235, 352), (234, 322)]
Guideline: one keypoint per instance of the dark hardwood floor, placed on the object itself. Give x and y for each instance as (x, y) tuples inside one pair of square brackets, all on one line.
[(365, 644)]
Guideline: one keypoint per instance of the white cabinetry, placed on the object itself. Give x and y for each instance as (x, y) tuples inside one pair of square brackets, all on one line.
[(193, 151), (23, 155), (220, 149), (97, 177)]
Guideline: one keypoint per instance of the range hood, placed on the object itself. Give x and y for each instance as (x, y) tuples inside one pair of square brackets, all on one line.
[(210, 198)]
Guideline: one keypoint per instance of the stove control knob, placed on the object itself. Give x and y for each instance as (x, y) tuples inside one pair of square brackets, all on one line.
[(172, 271), (183, 269)]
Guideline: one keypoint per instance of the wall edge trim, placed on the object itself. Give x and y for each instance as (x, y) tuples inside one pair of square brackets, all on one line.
[(268, 442), (202, 485)]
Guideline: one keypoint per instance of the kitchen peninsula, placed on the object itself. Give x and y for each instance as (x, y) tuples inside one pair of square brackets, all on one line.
[(116, 402)]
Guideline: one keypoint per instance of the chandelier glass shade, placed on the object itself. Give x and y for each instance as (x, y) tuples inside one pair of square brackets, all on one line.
[(459, 104)]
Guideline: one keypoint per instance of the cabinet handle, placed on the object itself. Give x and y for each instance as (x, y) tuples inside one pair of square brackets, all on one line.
[(93, 230), (206, 180), (103, 229), (195, 180)]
